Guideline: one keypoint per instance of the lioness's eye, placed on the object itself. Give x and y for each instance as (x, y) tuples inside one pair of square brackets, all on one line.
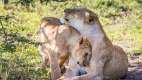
[(91, 19)]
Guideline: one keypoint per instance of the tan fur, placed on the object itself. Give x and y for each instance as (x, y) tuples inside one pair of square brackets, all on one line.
[(82, 52), (107, 61), (57, 38), (79, 60)]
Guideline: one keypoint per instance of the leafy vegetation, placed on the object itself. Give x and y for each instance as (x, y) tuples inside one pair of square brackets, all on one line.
[(19, 22)]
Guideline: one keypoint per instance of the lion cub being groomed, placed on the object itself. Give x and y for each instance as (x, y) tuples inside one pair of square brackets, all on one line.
[(108, 61)]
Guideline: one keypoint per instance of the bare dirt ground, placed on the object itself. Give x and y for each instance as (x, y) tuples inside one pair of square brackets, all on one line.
[(134, 71)]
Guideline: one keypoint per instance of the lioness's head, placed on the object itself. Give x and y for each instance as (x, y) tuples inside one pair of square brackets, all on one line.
[(80, 18), (83, 52)]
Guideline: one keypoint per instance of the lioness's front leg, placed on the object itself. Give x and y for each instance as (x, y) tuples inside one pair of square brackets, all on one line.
[(55, 69), (44, 56)]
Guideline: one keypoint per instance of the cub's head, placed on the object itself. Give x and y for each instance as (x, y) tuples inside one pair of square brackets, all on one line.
[(80, 18), (82, 52)]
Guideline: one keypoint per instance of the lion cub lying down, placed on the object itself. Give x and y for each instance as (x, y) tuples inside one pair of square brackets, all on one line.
[(79, 60), (57, 41)]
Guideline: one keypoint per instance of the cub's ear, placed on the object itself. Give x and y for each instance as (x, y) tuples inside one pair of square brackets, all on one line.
[(84, 41), (81, 41)]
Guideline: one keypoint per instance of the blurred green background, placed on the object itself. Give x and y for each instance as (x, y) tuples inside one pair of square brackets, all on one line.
[(19, 22)]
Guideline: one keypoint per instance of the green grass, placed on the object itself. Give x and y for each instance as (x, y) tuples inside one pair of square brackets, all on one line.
[(19, 54)]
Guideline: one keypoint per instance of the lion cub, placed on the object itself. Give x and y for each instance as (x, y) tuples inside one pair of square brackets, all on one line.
[(79, 60), (82, 52)]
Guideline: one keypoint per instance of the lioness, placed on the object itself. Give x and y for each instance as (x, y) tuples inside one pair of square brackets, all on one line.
[(107, 61), (57, 41)]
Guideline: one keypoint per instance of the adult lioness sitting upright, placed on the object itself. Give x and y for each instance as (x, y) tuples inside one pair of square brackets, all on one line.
[(57, 41), (107, 61)]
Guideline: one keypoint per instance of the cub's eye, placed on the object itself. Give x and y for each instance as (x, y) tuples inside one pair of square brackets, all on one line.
[(86, 54)]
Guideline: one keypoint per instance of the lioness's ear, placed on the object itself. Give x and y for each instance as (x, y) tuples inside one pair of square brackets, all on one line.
[(89, 18)]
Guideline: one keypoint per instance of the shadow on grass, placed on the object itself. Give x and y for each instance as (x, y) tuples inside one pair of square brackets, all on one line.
[(11, 40), (18, 59), (20, 70)]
